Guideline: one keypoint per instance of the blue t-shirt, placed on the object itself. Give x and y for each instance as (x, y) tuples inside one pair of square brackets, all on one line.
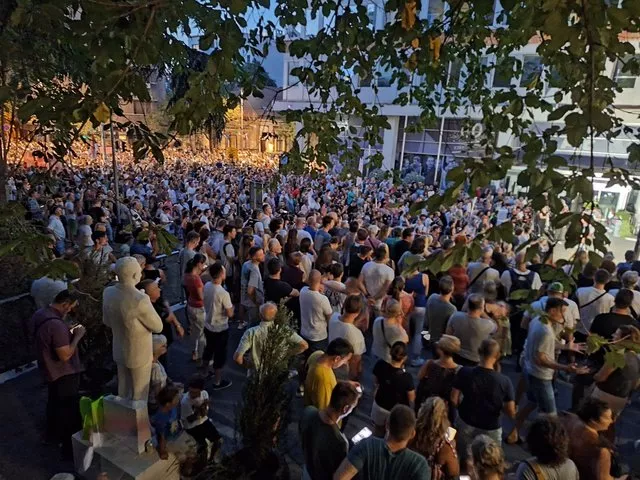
[(140, 249), (167, 423)]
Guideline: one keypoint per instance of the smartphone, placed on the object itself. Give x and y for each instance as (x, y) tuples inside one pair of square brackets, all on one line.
[(464, 477), (451, 433), (361, 435)]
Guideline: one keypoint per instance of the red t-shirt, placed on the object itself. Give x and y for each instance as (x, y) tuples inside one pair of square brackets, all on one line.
[(191, 284), (460, 279)]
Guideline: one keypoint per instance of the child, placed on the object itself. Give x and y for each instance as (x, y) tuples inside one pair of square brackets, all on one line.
[(169, 434), (194, 409)]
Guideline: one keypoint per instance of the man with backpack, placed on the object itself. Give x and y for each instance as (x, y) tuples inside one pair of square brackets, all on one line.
[(514, 279)]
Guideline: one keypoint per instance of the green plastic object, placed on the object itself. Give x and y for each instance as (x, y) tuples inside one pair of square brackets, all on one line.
[(92, 412)]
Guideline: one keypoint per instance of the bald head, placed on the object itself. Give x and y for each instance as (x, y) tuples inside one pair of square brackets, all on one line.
[(314, 279)]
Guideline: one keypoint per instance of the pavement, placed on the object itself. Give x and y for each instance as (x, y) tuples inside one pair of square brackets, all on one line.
[(24, 456)]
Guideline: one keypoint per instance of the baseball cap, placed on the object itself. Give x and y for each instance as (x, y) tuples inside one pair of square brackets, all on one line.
[(556, 287)]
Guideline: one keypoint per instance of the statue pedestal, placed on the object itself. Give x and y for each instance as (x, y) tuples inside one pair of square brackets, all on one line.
[(119, 462), (127, 420), (121, 453)]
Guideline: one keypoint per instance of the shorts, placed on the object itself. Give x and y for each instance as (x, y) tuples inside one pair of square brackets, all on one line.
[(215, 348), (315, 346), (541, 393)]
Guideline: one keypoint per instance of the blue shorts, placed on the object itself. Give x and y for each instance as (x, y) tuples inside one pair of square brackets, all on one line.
[(541, 393)]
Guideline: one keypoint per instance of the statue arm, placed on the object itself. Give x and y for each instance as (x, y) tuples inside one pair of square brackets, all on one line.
[(148, 316)]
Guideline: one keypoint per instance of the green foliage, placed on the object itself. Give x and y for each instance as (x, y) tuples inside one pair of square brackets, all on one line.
[(263, 415), (21, 241), (95, 348)]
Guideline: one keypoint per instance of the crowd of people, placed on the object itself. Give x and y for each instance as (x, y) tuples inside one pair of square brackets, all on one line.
[(347, 258)]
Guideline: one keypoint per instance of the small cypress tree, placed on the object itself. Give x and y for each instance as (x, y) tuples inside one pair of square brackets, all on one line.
[(264, 413)]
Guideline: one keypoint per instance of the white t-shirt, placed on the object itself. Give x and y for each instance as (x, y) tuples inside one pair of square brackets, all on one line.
[(571, 315), (590, 307), (348, 331), (70, 210), (314, 311), (55, 225), (84, 236), (187, 405), (304, 234), (216, 303), (375, 275)]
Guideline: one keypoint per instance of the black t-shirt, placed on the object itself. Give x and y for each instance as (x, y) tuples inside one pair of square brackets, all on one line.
[(623, 380), (393, 385), (484, 394), (606, 324), (399, 248), (167, 330), (355, 266), (276, 290), (323, 446)]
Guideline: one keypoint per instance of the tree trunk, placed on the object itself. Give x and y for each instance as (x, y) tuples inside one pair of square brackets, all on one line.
[(3, 180)]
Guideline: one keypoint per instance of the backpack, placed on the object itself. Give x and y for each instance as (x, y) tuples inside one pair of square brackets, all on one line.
[(521, 282)]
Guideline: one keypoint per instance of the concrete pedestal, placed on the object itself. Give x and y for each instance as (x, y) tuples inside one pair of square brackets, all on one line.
[(121, 453), (119, 462), (127, 420)]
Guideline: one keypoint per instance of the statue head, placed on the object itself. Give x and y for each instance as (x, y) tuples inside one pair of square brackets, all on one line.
[(128, 271)]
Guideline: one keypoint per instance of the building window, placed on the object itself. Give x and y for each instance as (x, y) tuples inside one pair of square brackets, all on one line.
[(435, 10), (622, 71), (372, 13), (291, 78), (501, 75), (531, 70), (455, 68), (138, 107), (365, 80), (384, 78)]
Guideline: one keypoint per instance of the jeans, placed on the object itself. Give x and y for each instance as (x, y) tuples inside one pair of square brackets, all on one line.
[(540, 392), (63, 410), (60, 247), (466, 434), (416, 324)]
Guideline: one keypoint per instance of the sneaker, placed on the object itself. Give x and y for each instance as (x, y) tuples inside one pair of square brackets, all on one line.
[(222, 385), (418, 362)]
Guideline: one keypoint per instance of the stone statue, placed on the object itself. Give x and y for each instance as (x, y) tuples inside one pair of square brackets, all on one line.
[(132, 318)]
